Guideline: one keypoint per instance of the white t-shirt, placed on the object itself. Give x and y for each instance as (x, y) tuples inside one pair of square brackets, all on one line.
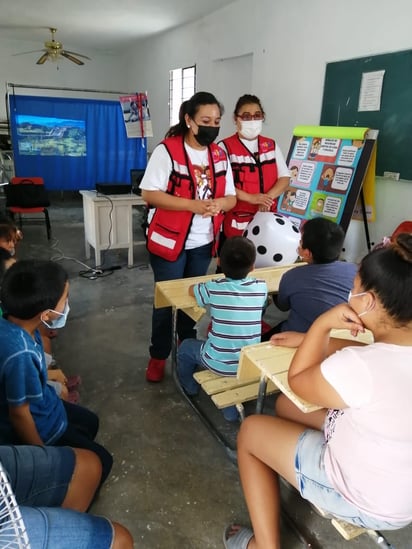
[(252, 146), (368, 455), (156, 178)]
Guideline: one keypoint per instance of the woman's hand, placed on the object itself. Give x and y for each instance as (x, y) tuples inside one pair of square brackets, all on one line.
[(209, 208), (264, 201)]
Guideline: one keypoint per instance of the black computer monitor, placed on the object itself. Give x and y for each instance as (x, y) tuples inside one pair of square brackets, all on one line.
[(136, 175)]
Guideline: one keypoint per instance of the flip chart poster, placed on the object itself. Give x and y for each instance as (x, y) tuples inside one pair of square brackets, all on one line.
[(322, 171)]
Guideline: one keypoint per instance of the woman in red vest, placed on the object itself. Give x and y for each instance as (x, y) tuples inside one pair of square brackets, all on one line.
[(188, 185), (259, 169)]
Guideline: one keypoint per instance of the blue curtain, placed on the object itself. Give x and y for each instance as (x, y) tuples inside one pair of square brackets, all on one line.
[(72, 143)]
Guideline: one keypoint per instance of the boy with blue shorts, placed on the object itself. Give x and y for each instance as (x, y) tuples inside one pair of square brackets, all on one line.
[(236, 303), (43, 478)]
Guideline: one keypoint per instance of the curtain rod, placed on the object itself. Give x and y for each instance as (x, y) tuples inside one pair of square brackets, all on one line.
[(11, 85)]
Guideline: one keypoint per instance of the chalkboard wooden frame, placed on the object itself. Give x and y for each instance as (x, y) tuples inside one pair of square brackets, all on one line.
[(394, 120)]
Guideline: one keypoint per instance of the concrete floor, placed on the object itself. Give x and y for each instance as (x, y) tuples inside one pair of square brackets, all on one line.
[(172, 483)]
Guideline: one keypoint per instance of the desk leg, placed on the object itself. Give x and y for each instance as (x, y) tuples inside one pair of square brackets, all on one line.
[(174, 340), (87, 248), (97, 257), (261, 394)]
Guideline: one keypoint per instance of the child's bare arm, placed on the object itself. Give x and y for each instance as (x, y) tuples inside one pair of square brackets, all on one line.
[(23, 424), (191, 290)]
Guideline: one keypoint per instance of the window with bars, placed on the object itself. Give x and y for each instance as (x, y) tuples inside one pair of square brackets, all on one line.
[(182, 84)]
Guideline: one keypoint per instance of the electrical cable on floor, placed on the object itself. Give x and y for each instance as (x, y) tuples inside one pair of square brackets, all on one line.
[(90, 273)]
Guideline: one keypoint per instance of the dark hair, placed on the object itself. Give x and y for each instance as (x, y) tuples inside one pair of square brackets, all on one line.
[(388, 273), (246, 100), (237, 257), (191, 107), (8, 231), (32, 286), (323, 238)]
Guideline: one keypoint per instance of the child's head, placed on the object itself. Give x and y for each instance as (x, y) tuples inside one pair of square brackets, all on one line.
[(8, 236), (387, 272), (323, 238), (237, 257), (32, 286)]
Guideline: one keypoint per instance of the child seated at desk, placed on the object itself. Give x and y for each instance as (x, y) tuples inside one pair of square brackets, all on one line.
[(352, 458), (310, 290), (236, 304)]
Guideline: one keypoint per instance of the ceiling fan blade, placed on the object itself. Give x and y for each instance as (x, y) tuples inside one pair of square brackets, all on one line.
[(43, 59), (71, 58), (24, 52), (78, 54)]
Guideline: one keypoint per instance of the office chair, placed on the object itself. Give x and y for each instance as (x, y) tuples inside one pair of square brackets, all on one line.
[(27, 195)]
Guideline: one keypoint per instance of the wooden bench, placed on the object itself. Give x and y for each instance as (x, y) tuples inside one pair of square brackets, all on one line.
[(272, 363), (229, 391)]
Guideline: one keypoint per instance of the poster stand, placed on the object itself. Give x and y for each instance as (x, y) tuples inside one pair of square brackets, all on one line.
[(332, 175)]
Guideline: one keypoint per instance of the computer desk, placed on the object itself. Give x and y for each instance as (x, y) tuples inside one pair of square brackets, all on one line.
[(108, 222)]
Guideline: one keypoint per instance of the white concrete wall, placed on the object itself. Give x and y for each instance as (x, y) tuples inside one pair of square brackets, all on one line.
[(103, 72), (290, 43)]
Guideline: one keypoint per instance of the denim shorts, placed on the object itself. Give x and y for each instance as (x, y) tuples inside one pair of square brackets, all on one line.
[(65, 529), (39, 475), (314, 485)]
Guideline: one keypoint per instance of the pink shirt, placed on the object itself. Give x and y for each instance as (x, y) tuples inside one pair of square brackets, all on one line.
[(368, 455)]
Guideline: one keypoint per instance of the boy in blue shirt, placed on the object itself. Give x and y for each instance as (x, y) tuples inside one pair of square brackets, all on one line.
[(33, 293), (310, 290), (236, 303)]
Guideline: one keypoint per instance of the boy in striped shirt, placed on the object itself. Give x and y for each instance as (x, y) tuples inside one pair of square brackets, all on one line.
[(236, 303)]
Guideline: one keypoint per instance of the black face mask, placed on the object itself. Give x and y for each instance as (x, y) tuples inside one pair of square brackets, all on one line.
[(206, 135)]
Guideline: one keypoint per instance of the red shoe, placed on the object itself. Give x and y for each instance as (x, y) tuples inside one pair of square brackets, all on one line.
[(156, 369)]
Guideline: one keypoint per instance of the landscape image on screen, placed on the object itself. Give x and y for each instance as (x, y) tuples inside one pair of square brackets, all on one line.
[(47, 136)]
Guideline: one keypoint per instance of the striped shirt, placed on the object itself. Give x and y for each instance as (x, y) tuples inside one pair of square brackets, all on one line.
[(236, 311)]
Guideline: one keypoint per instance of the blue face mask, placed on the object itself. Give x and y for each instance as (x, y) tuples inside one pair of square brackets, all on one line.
[(60, 321)]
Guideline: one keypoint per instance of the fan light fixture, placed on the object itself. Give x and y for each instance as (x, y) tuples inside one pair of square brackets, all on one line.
[(54, 50)]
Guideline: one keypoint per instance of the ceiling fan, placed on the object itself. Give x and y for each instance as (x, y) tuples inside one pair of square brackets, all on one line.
[(54, 50)]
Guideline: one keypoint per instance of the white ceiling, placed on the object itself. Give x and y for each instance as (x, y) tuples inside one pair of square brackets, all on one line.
[(96, 25)]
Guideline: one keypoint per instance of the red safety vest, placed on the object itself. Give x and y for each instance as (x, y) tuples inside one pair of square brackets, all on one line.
[(168, 229), (252, 175)]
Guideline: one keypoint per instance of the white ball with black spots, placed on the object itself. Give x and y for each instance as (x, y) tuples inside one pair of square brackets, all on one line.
[(275, 237)]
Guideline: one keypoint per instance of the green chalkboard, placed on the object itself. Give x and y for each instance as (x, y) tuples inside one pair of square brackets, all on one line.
[(393, 120)]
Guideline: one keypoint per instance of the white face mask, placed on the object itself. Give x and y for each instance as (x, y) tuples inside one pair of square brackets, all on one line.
[(250, 129), (357, 295), (60, 321)]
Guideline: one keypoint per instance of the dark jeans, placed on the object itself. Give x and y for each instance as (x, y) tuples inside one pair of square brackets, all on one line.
[(80, 433), (189, 263)]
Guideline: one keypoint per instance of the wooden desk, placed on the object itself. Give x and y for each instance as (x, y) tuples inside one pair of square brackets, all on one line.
[(108, 222), (175, 293), (272, 363)]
